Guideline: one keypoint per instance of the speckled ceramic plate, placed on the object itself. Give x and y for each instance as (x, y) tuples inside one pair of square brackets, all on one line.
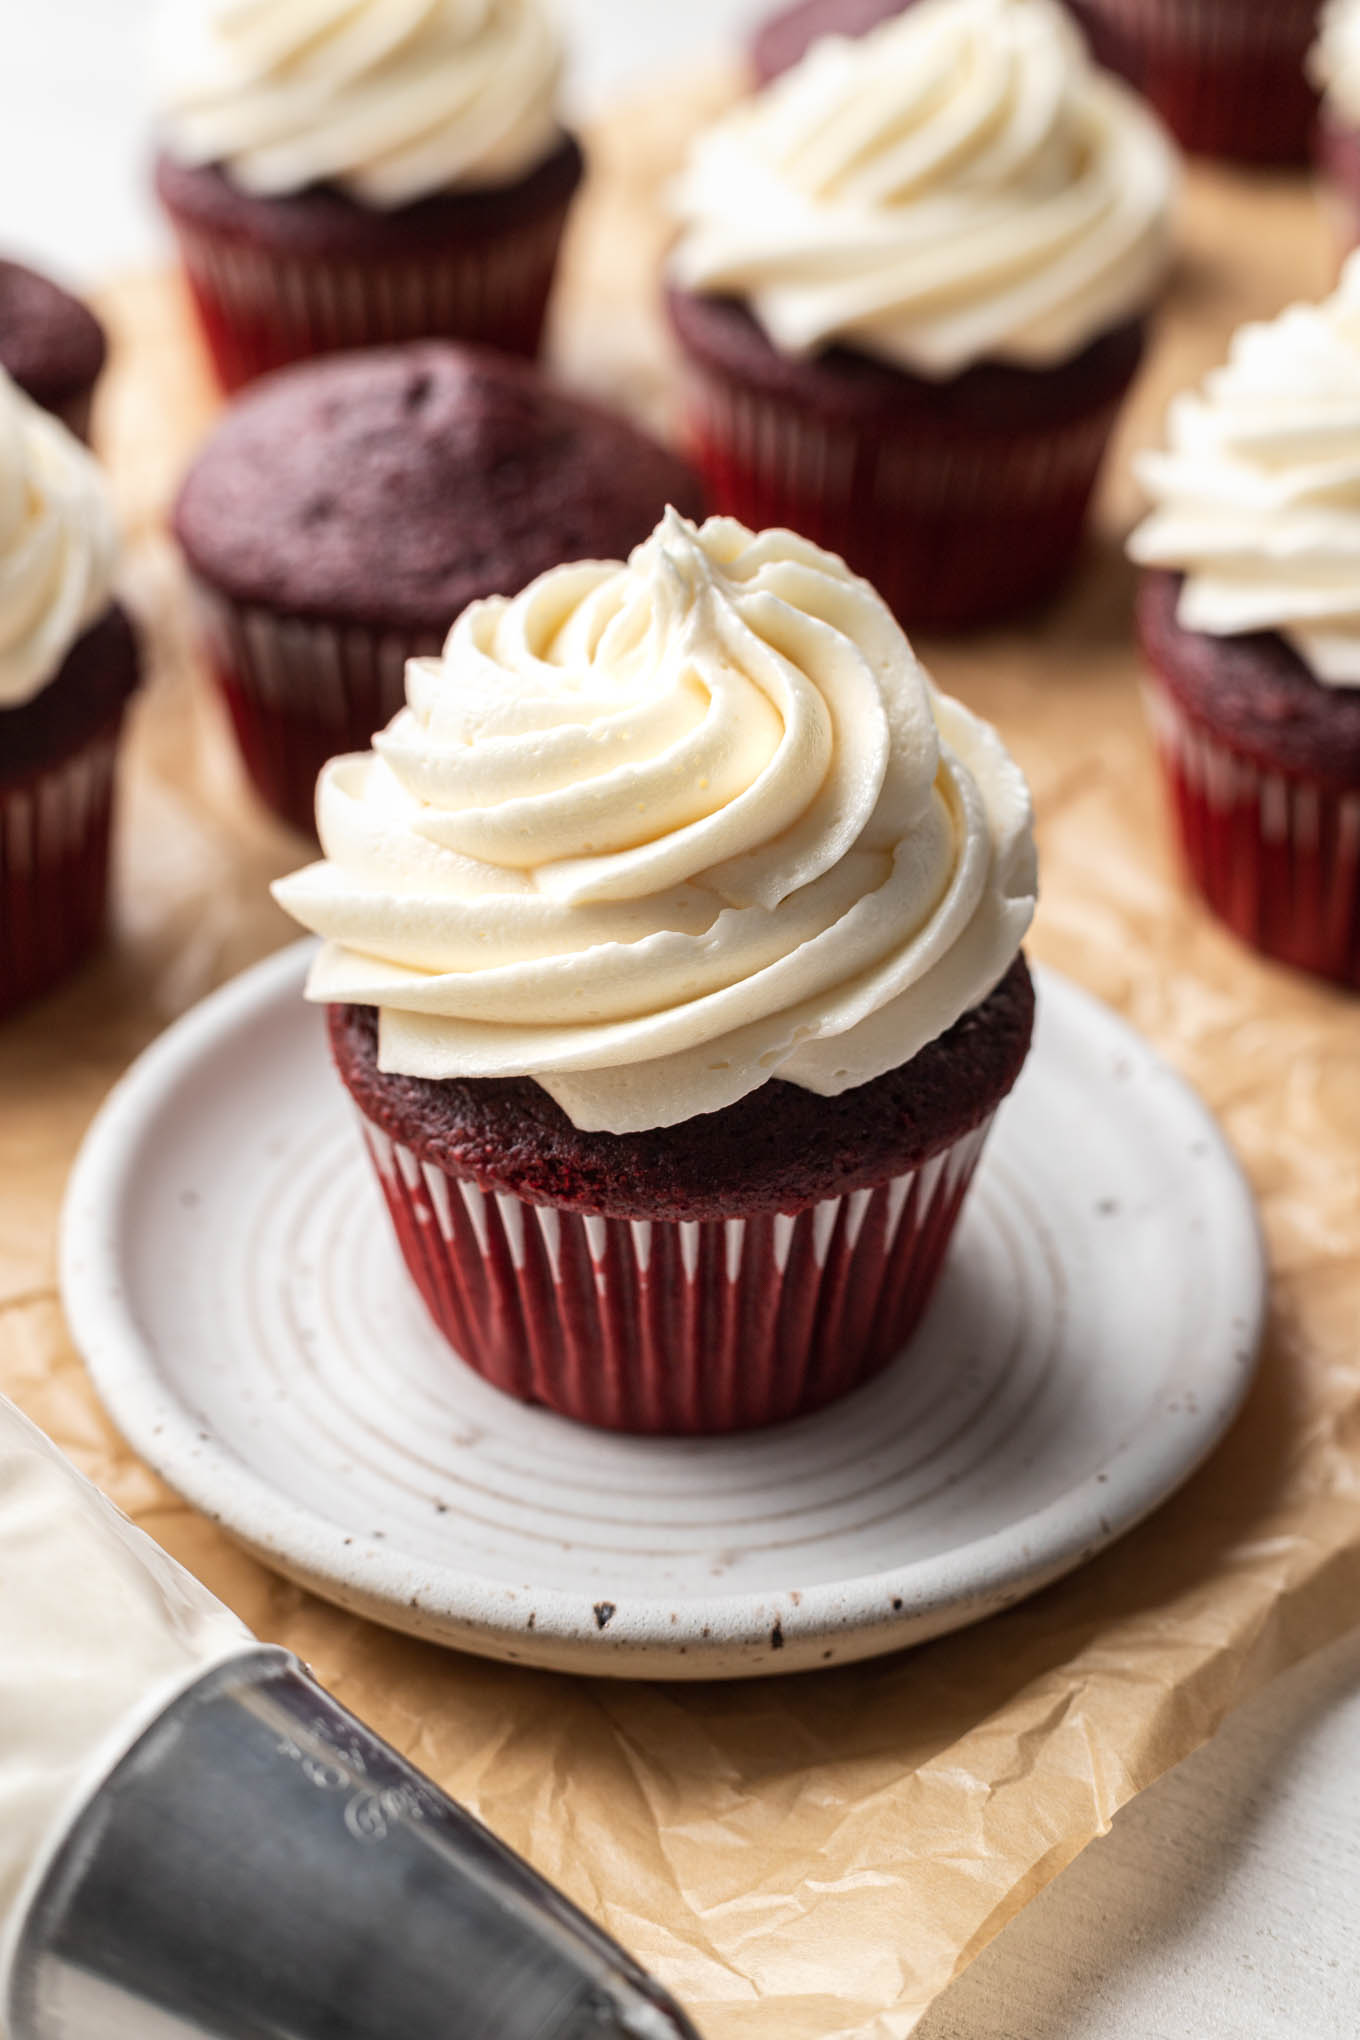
[(230, 1276)]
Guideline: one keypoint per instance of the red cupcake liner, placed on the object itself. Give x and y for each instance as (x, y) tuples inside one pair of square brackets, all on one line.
[(1227, 76), (301, 692), (261, 310), (952, 529), (1275, 854), (55, 824), (674, 1327)]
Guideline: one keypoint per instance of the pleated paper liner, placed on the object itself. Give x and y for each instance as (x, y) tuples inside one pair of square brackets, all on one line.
[(1275, 854), (675, 1327)]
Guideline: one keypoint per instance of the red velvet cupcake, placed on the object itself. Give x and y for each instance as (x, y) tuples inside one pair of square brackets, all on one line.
[(358, 177), (785, 39), (902, 334), (1227, 76), (1247, 616), (68, 662), (50, 344), (672, 951), (346, 511)]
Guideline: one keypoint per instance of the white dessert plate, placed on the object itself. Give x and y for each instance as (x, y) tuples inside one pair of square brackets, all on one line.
[(231, 1278)]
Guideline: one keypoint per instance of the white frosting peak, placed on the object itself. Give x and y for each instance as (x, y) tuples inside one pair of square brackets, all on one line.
[(653, 834), (960, 184), (1334, 63), (392, 100), (1257, 501), (58, 545)]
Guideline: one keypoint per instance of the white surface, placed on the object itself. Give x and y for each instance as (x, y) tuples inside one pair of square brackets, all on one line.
[(76, 112), (1222, 1905), (230, 1275)]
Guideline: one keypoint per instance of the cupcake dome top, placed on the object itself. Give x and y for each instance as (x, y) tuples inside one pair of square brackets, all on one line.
[(1257, 499), (962, 184), (393, 486), (655, 833), (50, 342), (58, 546), (389, 100)]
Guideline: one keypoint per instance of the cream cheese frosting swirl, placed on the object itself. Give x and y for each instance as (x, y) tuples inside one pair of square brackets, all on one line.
[(653, 834), (1257, 500), (391, 100), (1334, 62), (58, 545), (961, 184)]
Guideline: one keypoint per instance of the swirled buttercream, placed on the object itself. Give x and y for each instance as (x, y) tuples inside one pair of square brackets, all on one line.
[(653, 834), (391, 100), (1334, 61), (58, 546), (961, 184), (1257, 500)]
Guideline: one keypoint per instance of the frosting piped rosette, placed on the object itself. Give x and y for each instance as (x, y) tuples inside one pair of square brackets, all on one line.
[(58, 545), (1334, 60), (653, 834), (961, 184), (1257, 498), (389, 100)]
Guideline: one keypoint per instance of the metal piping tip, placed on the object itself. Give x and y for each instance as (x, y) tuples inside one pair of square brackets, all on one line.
[(262, 1867)]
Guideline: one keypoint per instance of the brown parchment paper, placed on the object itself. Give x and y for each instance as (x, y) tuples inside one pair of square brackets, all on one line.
[(809, 1859)]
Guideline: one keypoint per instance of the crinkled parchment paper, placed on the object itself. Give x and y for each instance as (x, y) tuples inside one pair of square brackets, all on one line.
[(813, 1858)]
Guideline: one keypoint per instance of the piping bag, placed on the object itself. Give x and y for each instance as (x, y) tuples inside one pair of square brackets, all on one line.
[(198, 1843)]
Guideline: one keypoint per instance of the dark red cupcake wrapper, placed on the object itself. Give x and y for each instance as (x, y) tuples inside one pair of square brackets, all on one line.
[(55, 825), (1275, 854), (261, 310), (1227, 76), (300, 692), (669, 1327), (952, 529)]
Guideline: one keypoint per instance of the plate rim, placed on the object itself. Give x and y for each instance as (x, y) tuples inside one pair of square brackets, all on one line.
[(864, 1615)]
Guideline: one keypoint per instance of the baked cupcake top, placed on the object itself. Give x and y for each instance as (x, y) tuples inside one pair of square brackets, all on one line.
[(395, 486), (58, 546), (655, 833), (1257, 500), (1334, 62), (389, 100), (50, 343), (962, 184)]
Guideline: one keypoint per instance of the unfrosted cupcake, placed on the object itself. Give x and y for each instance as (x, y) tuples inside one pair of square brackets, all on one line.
[(910, 294), (672, 947), (50, 344), (345, 173), (785, 38), (346, 511), (68, 662), (1227, 76), (1335, 69), (1250, 617)]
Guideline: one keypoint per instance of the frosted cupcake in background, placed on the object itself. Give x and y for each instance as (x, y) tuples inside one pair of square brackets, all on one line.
[(68, 662), (911, 292), (1227, 76), (341, 173), (1250, 616), (1334, 65), (672, 947)]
